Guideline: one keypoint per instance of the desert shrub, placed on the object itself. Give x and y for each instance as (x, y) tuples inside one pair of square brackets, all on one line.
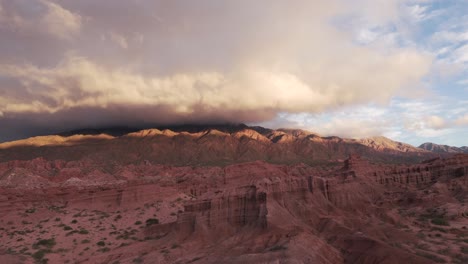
[(39, 256), (48, 243), (101, 243), (45, 246), (278, 248), (464, 250), (439, 229), (439, 221), (105, 249), (137, 260), (460, 259), (31, 211), (85, 241), (138, 223), (431, 257), (71, 233), (83, 231), (152, 221)]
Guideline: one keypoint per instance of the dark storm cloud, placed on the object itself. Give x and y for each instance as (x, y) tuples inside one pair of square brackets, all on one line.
[(68, 64)]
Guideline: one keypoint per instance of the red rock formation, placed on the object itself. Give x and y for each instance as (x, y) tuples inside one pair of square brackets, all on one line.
[(249, 212)]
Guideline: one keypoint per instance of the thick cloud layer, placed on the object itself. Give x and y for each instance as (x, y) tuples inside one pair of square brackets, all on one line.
[(69, 64)]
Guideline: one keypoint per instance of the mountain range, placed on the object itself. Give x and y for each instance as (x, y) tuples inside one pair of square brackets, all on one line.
[(443, 148), (209, 145)]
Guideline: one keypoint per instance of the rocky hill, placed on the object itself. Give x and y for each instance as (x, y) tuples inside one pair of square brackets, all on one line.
[(443, 149)]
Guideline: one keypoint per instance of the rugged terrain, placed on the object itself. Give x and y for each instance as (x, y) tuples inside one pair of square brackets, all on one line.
[(216, 145), (250, 195), (443, 149)]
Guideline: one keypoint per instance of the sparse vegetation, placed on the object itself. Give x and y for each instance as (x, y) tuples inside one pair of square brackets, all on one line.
[(45, 246)]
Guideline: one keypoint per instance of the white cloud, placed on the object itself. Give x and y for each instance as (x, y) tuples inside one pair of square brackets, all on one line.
[(435, 122), (450, 37), (351, 128), (54, 20), (59, 21), (461, 54), (351, 122), (418, 12), (462, 121), (78, 82), (119, 40)]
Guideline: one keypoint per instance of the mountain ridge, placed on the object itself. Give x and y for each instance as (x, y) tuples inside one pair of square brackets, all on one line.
[(443, 149), (219, 144)]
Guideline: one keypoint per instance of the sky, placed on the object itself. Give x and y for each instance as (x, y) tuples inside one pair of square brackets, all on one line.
[(355, 69)]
